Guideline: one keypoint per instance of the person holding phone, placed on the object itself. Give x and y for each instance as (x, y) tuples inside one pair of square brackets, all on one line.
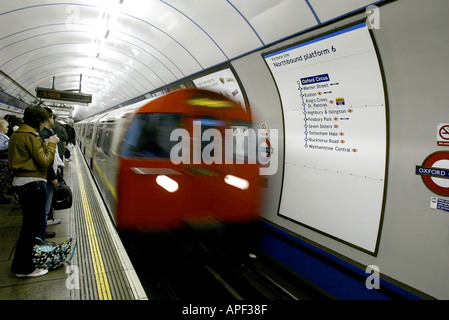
[(28, 158)]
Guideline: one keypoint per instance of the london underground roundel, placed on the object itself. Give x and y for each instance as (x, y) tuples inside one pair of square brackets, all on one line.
[(435, 172)]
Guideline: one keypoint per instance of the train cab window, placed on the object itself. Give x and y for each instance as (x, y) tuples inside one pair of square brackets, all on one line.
[(244, 144), (234, 133), (209, 122), (148, 135)]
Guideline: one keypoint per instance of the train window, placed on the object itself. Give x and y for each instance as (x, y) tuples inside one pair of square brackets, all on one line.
[(90, 130), (83, 128), (244, 144), (99, 134), (149, 135), (236, 134), (107, 139), (209, 122)]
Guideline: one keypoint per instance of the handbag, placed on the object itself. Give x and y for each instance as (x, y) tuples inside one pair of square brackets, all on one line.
[(51, 256), (4, 154), (62, 196)]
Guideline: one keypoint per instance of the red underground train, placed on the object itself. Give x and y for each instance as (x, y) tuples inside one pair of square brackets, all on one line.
[(187, 158)]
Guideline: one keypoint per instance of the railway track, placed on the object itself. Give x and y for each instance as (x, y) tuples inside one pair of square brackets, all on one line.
[(218, 268)]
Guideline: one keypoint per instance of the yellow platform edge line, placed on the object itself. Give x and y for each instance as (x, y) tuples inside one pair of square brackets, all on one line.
[(101, 279)]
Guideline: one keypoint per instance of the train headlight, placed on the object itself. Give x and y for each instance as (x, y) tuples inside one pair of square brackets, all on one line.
[(237, 182), (167, 183)]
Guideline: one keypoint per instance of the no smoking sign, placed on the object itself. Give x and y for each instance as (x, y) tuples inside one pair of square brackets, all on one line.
[(443, 134)]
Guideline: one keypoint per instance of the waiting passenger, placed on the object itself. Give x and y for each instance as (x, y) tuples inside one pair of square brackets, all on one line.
[(72, 139), (64, 137), (5, 173), (52, 173), (14, 123), (29, 157)]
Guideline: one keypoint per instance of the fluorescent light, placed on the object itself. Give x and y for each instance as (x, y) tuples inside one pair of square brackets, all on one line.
[(237, 182), (167, 183)]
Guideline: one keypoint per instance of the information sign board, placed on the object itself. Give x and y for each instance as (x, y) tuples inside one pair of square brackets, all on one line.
[(334, 108)]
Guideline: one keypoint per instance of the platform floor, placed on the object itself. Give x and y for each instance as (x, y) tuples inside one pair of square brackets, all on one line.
[(100, 268)]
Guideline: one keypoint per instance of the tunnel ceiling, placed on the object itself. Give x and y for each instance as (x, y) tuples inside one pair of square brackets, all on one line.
[(124, 49)]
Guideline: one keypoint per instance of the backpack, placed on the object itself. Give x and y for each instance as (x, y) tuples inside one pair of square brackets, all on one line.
[(62, 197)]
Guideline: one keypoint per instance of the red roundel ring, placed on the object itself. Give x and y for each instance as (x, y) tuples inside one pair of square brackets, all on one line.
[(428, 181)]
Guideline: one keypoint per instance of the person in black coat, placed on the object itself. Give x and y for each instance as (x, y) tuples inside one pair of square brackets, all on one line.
[(52, 176), (72, 139)]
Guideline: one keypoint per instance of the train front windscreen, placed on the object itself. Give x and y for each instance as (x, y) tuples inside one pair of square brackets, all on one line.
[(154, 136), (148, 135)]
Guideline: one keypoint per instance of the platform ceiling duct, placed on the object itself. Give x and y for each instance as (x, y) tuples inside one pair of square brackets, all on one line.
[(127, 48)]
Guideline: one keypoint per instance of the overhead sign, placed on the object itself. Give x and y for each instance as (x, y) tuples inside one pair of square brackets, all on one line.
[(443, 134), (63, 95), (435, 172)]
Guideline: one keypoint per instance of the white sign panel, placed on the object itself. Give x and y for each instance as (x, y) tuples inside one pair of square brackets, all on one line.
[(443, 134), (223, 82), (336, 134)]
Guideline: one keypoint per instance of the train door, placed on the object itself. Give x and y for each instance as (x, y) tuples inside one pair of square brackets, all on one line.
[(91, 139), (224, 166), (152, 192), (81, 135), (88, 142), (97, 155), (206, 155), (241, 177), (104, 170)]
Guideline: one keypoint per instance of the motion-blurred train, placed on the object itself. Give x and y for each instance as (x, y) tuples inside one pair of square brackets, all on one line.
[(172, 161)]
